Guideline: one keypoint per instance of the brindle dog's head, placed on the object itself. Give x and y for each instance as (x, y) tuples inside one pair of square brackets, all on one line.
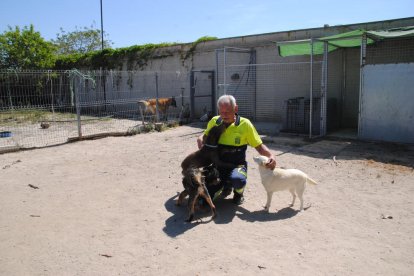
[(211, 175), (214, 134)]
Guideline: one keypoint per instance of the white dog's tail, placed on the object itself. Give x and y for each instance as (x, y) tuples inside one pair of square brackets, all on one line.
[(310, 181), (144, 103)]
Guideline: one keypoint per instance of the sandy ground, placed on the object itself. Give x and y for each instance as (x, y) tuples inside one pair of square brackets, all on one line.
[(106, 207)]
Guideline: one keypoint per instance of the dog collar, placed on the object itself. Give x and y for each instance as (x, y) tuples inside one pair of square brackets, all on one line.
[(210, 146), (236, 121)]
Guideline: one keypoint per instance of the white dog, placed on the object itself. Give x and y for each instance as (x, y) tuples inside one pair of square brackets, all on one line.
[(282, 179)]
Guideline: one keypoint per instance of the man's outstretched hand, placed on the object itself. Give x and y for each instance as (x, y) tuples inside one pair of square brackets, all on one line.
[(271, 164), (199, 143)]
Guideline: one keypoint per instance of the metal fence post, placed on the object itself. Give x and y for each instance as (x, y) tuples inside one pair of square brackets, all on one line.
[(217, 74), (224, 72), (77, 89), (361, 78), (51, 91), (213, 94), (8, 93), (311, 90), (192, 93), (324, 90), (182, 96), (156, 97)]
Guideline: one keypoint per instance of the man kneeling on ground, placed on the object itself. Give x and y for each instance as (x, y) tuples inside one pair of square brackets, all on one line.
[(232, 147)]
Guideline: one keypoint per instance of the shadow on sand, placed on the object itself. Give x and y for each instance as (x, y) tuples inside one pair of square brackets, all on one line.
[(176, 224), (226, 212), (263, 216)]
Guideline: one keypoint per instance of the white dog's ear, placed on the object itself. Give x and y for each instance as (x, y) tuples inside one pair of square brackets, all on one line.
[(261, 160)]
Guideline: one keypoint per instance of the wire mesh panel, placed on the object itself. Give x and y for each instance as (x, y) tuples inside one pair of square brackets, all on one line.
[(42, 108), (242, 85), (279, 93), (283, 96), (273, 92), (399, 50), (174, 84), (30, 104), (236, 76)]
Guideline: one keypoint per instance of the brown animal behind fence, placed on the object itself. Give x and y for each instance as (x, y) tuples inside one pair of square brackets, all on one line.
[(150, 106)]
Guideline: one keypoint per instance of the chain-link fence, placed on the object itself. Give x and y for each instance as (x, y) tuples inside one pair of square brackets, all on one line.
[(286, 93), (236, 76), (397, 50), (43, 108)]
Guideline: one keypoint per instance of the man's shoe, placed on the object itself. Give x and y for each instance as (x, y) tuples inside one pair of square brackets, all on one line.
[(238, 199)]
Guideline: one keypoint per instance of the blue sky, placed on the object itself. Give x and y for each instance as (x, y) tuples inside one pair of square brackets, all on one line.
[(129, 22)]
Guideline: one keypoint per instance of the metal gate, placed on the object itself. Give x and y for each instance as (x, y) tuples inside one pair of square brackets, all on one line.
[(202, 93)]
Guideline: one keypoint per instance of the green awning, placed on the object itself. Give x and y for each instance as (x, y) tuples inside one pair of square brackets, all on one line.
[(393, 33), (344, 40), (303, 48)]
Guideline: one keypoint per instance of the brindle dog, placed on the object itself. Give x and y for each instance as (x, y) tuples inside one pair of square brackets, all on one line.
[(195, 182), (195, 179)]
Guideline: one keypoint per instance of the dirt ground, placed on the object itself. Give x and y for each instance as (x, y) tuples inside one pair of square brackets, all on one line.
[(107, 207)]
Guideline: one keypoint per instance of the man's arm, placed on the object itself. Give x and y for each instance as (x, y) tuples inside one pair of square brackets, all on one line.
[(201, 140), (263, 150)]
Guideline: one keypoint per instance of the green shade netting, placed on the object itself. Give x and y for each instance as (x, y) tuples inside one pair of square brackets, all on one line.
[(344, 40), (303, 48), (392, 33)]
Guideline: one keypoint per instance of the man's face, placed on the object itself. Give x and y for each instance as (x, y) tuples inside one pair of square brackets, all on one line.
[(227, 113)]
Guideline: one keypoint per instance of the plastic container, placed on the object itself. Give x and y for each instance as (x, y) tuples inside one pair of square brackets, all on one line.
[(5, 134)]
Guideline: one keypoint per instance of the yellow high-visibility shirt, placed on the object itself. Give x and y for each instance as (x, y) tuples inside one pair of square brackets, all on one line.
[(240, 133)]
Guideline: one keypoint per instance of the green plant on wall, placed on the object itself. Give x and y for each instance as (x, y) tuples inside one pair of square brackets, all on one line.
[(134, 56), (191, 51), (116, 78), (130, 80)]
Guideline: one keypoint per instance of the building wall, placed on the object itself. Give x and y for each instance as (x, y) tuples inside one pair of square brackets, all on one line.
[(263, 95), (387, 108), (278, 83)]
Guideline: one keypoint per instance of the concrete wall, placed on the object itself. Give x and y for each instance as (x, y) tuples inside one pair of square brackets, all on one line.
[(387, 105), (265, 100)]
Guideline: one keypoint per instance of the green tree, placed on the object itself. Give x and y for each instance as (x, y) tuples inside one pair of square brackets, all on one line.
[(80, 41), (25, 49)]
